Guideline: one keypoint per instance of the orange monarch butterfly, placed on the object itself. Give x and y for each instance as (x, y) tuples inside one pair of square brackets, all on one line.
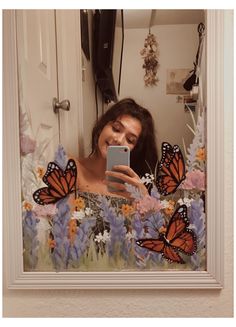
[(171, 169), (176, 238), (59, 183)]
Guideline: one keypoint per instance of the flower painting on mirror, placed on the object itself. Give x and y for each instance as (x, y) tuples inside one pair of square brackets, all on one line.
[(67, 230), (66, 225)]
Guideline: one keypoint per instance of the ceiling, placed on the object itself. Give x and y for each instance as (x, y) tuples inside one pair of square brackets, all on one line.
[(143, 18)]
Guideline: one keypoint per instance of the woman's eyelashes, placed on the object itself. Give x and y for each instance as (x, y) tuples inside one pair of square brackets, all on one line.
[(118, 129)]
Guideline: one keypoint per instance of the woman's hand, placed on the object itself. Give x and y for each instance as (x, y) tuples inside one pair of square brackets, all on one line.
[(126, 175)]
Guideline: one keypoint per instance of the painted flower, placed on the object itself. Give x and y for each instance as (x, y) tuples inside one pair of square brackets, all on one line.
[(48, 210), (131, 235), (88, 211), (127, 210), (72, 230), (51, 243), (147, 204), (201, 154), (102, 237), (185, 201), (40, 172), (147, 179), (169, 210), (80, 215), (195, 179), (27, 206), (27, 145), (168, 206), (79, 203), (162, 230)]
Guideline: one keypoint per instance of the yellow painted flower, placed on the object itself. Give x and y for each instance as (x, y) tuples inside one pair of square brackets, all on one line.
[(72, 230), (169, 209), (162, 230), (27, 206), (127, 210), (201, 154), (40, 172), (171, 203), (79, 203), (51, 243)]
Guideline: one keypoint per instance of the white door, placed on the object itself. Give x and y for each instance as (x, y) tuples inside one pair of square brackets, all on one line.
[(44, 75)]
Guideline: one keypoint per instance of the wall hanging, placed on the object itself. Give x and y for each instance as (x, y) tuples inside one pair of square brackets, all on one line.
[(150, 54)]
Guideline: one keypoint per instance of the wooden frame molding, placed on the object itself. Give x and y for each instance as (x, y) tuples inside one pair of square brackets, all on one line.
[(212, 278)]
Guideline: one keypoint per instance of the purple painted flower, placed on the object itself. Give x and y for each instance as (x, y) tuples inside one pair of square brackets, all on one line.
[(30, 239), (118, 243), (60, 157), (59, 230), (197, 223), (27, 145), (82, 241)]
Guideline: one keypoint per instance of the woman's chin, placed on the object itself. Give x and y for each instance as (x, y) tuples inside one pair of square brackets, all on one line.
[(103, 153)]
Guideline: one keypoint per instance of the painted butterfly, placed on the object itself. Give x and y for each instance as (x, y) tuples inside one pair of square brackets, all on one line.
[(176, 238), (59, 183), (171, 169)]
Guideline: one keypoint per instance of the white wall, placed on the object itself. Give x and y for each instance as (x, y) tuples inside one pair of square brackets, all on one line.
[(177, 49)]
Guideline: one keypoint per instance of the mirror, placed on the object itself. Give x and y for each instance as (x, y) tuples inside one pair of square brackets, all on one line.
[(53, 67)]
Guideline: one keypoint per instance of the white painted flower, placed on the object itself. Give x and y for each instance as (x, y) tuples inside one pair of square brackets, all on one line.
[(131, 235), (165, 204), (102, 238), (106, 236), (147, 179), (88, 211), (185, 201), (78, 215), (99, 238)]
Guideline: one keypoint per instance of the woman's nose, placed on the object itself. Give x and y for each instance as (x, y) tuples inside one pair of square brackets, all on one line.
[(119, 139)]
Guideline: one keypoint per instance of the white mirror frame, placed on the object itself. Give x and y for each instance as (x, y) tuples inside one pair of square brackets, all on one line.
[(212, 278)]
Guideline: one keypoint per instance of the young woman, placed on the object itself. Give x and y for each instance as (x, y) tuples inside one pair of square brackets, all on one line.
[(125, 123)]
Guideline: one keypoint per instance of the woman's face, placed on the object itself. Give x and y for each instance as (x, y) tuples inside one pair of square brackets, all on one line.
[(124, 131)]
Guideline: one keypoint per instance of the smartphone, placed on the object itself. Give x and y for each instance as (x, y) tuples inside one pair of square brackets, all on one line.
[(117, 155)]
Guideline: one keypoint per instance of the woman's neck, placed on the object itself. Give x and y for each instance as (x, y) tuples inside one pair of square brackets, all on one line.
[(96, 165)]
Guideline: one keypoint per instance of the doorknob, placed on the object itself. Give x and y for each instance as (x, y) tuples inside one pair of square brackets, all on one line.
[(64, 105)]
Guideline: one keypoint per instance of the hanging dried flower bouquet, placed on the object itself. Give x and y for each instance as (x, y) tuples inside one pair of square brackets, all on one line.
[(150, 53)]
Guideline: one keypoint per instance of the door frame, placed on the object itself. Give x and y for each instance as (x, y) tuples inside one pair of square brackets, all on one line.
[(219, 170), (68, 36)]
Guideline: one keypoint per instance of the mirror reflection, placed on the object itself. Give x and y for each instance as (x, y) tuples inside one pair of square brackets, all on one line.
[(119, 91)]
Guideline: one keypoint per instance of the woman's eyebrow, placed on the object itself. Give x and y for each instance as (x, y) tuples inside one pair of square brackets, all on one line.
[(132, 134)]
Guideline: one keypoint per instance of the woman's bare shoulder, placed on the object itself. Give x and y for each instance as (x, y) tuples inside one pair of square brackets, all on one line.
[(81, 164)]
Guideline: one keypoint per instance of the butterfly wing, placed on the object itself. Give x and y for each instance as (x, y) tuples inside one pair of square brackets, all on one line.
[(177, 238), (60, 183), (45, 195), (171, 169), (178, 223), (186, 242), (160, 246), (178, 235), (156, 245), (171, 255), (71, 175)]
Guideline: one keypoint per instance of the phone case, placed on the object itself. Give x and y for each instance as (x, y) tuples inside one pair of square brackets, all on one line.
[(117, 155)]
